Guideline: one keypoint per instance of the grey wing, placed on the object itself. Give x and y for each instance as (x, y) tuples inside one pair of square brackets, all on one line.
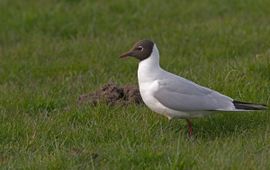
[(183, 95)]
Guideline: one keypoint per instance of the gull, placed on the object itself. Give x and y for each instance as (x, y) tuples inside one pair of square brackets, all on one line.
[(174, 96)]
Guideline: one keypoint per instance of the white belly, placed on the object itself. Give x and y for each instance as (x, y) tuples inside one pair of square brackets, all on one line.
[(146, 91)]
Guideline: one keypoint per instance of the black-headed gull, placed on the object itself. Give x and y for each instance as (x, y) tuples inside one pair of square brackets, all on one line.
[(174, 96)]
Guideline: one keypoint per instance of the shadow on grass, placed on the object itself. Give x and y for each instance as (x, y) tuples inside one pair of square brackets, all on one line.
[(224, 124)]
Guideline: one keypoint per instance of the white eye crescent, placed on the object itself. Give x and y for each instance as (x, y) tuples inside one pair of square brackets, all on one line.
[(140, 48)]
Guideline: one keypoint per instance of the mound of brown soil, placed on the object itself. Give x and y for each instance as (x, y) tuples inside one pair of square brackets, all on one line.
[(113, 94)]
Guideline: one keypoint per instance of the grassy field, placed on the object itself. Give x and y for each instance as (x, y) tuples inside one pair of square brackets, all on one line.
[(53, 51)]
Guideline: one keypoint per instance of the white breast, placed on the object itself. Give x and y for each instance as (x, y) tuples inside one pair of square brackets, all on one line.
[(146, 90), (149, 72)]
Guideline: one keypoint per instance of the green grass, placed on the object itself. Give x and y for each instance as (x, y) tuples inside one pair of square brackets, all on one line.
[(53, 51)]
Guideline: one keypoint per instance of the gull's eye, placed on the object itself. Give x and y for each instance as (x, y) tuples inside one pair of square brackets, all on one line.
[(139, 48)]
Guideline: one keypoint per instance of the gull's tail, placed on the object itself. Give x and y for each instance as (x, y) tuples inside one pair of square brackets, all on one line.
[(249, 106)]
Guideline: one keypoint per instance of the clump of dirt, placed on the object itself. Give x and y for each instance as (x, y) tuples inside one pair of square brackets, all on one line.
[(113, 94)]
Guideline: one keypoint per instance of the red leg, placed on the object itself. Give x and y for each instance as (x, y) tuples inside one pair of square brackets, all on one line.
[(189, 127)]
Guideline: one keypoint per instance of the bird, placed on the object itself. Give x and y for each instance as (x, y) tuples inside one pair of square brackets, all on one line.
[(176, 97)]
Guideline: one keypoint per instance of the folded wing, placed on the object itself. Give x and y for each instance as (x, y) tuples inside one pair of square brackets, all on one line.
[(183, 95)]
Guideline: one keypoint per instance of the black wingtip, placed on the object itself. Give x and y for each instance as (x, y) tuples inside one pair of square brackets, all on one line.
[(249, 106)]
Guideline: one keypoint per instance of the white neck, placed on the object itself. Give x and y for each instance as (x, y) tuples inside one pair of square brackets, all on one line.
[(149, 68)]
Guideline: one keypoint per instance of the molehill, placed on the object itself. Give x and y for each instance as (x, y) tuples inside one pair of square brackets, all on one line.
[(113, 94)]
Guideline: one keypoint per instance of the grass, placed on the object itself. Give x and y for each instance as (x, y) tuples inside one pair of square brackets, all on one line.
[(53, 51)]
